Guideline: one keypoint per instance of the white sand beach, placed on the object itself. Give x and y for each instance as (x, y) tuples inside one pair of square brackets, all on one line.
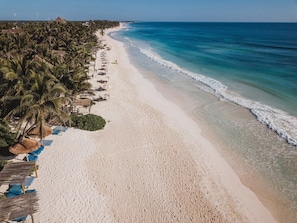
[(149, 164)]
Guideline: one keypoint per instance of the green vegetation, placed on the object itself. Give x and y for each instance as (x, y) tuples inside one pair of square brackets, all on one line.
[(43, 67), (2, 164), (7, 139), (88, 122)]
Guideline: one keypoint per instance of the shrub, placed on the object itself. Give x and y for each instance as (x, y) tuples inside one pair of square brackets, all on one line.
[(88, 122), (7, 138), (2, 164)]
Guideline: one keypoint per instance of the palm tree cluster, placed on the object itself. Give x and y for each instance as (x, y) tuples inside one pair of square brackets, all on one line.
[(42, 66)]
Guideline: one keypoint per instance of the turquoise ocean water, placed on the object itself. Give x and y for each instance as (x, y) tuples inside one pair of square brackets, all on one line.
[(241, 79)]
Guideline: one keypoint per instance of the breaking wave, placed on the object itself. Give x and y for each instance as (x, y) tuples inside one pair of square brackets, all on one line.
[(277, 120)]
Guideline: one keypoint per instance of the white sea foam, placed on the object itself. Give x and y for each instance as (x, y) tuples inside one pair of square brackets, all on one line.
[(277, 120)]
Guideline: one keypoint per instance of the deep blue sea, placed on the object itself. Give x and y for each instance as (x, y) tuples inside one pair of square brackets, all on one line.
[(251, 65)]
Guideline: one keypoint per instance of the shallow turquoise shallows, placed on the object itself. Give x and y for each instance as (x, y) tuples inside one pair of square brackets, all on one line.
[(248, 75)]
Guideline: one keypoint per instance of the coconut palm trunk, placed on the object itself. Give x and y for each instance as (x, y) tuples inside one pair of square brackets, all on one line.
[(41, 120)]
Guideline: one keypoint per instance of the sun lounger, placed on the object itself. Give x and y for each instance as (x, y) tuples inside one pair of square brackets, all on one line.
[(32, 157), (37, 151), (47, 142), (99, 99), (15, 189), (56, 132), (102, 73), (14, 193), (21, 219), (30, 191), (100, 89), (28, 181), (10, 194), (61, 128), (102, 81)]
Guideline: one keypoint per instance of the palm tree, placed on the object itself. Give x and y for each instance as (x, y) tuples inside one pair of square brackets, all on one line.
[(7, 45), (48, 99), (42, 100), (32, 89), (16, 78), (33, 92)]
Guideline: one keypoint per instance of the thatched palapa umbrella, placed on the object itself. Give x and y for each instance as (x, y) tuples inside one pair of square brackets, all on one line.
[(85, 102), (46, 131), (25, 146)]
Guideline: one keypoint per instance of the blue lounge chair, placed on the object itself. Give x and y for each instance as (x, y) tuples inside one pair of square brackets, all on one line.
[(38, 151), (9, 194), (32, 157), (15, 189), (21, 219), (61, 128), (18, 187), (64, 129), (30, 191), (47, 142), (56, 131), (28, 181)]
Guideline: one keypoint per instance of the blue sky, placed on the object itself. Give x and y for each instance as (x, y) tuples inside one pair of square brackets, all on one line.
[(152, 10)]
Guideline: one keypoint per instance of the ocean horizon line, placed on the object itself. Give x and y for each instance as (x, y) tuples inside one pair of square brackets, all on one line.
[(149, 21)]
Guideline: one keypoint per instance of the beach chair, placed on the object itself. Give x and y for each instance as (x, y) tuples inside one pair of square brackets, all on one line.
[(47, 142), (10, 194), (56, 131), (21, 219), (30, 191), (64, 129), (14, 190), (100, 89), (38, 151), (32, 157), (28, 181), (100, 98), (101, 73), (102, 81)]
